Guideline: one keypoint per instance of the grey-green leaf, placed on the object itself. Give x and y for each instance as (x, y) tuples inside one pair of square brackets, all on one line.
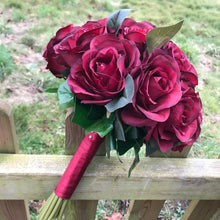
[(65, 96), (158, 37), (126, 97), (115, 20), (118, 128)]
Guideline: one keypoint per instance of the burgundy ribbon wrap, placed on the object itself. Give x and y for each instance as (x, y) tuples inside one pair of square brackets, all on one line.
[(78, 164)]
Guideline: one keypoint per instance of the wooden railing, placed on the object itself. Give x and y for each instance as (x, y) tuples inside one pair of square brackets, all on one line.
[(154, 180)]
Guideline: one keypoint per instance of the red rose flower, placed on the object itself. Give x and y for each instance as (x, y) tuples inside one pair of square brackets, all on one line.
[(189, 77), (55, 62), (157, 89), (135, 31), (180, 147), (183, 125), (99, 76), (69, 44)]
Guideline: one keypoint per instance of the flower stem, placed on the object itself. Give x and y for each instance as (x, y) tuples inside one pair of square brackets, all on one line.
[(53, 208)]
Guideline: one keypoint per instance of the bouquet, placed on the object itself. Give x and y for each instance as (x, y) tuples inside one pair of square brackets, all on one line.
[(130, 86)]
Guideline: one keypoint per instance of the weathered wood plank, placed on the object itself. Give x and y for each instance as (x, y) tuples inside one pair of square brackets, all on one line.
[(144, 212), (35, 176), (8, 144)]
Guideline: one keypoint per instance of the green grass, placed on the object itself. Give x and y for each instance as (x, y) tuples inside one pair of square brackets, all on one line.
[(18, 15), (14, 4), (40, 124), (39, 131), (7, 64), (4, 27), (201, 18), (173, 207), (48, 11)]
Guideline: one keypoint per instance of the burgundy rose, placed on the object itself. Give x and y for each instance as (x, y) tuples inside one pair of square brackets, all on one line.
[(54, 60), (180, 147), (99, 76), (189, 77), (135, 31), (63, 50), (157, 89), (183, 125)]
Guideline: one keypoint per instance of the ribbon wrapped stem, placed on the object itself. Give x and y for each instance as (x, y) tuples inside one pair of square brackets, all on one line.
[(56, 203)]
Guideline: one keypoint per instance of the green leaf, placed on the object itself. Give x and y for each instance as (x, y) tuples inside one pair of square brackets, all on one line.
[(132, 136), (136, 160), (151, 147), (96, 112), (158, 37), (51, 90), (126, 97), (102, 126), (110, 141), (123, 146), (86, 114), (65, 96), (134, 132), (81, 114), (115, 20)]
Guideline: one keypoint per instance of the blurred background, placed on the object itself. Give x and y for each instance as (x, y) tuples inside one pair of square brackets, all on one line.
[(27, 26)]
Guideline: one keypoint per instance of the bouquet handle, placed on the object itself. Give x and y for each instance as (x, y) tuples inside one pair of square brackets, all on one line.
[(56, 203)]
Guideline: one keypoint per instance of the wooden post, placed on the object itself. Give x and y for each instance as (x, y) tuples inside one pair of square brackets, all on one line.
[(8, 139), (144, 209), (78, 209), (150, 209), (10, 209), (202, 210)]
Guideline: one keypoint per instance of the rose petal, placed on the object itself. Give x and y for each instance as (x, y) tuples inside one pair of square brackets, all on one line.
[(185, 133), (134, 118), (170, 99), (159, 116)]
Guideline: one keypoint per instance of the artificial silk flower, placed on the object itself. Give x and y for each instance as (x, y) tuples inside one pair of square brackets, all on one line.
[(128, 82)]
